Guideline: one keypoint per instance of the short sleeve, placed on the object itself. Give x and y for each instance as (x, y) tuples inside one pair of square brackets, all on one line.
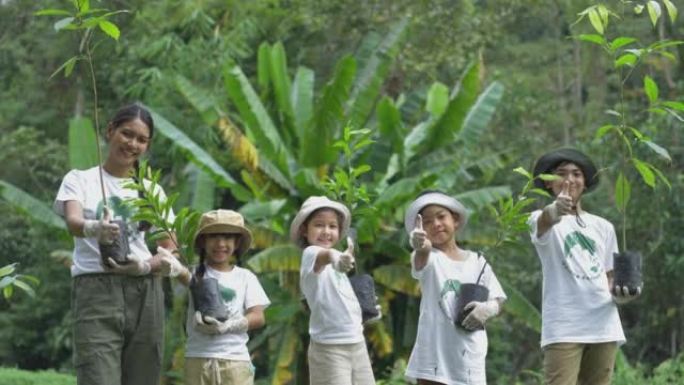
[(308, 260), (532, 223), (417, 274), (255, 294), (70, 190)]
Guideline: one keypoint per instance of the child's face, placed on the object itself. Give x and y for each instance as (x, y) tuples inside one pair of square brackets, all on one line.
[(439, 223), (573, 174), (322, 228), (220, 248)]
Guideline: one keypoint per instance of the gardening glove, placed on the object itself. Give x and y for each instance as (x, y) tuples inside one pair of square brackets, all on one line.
[(170, 265), (480, 313), (210, 325), (621, 294), (561, 206), (135, 266), (418, 237), (102, 229), (343, 262)]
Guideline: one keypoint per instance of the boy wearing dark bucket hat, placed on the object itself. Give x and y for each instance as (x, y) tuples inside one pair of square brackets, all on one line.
[(216, 351), (581, 327), (448, 350), (337, 351)]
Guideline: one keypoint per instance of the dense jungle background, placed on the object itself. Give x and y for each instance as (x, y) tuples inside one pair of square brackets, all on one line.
[(259, 104)]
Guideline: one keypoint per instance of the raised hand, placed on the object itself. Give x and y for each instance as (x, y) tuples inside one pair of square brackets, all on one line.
[(562, 205), (418, 237), (102, 229), (343, 262)]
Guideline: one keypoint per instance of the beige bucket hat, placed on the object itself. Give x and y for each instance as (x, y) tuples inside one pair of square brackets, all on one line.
[(225, 222), (435, 198), (312, 204)]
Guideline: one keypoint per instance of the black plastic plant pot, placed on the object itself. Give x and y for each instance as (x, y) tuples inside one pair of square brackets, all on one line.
[(364, 288), (469, 292), (119, 249), (206, 296), (627, 270)]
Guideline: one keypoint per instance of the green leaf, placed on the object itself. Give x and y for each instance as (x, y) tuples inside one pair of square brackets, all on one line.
[(26, 288), (277, 258), (603, 130), (437, 99), (110, 29), (302, 98), (328, 113), (33, 208), (628, 59), (622, 192), (264, 67), (638, 9), (68, 67), (671, 10), (675, 105), (397, 278), (593, 38), (654, 11), (519, 306), (663, 153), (63, 23), (651, 89), (595, 20), (480, 114), (282, 88), (390, 124), (82, 144), (8, 269), (479, 198), (52, 12), (203, 101), (256, 211), (198, 156), (621, 42), (645, 172), (523, 172)]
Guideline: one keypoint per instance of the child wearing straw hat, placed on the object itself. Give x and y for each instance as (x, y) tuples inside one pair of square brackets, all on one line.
[(448, 349), (216, 351), (337, 351), (581, 327)]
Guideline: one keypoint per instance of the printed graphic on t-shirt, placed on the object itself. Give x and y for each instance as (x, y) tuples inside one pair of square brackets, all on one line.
[(449, 296), (228, 296), (120, 209), (580, 256)]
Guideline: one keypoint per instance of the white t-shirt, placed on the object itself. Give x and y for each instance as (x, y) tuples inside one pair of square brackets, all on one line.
[(240, 290), (335, 310), (576, 302), (444, 352), (83, 186)]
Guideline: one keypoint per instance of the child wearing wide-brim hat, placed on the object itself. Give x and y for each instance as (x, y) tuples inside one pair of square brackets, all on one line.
[(216, 351), (581, 327), (337, 351), (447, 351)]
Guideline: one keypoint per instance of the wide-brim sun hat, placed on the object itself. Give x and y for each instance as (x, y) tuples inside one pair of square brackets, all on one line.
[(312, 204), (435, 198), (549, 161), (224, 222)]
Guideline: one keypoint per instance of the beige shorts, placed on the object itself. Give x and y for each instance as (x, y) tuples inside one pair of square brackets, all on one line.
[(340, 364), (214, 371), (579, 364)]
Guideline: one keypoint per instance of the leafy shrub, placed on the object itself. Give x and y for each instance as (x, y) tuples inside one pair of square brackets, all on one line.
[(11, 376)]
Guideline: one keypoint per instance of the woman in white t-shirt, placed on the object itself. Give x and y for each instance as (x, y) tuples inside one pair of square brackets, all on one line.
[(118, 308), (337, 352), (447, 351), (216, 351)]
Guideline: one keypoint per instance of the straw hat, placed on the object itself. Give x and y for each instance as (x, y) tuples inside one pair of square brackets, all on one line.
[(549, 161), (312, 204), (435, 198), (225, 222)]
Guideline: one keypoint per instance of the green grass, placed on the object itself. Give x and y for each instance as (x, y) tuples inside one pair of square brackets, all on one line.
[(11, 376)]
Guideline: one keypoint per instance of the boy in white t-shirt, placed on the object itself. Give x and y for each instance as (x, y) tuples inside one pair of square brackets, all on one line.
[(216, 351), (337, 351), (581, 327), (446, 351)]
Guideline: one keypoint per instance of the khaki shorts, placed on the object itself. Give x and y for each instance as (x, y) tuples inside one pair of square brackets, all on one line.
[(340, 364), (118, 329), (214, 371), (579, 364)]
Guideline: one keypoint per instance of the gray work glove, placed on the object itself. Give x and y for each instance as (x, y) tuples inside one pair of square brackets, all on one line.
[(418, 237), (482, 311), (212, 326)]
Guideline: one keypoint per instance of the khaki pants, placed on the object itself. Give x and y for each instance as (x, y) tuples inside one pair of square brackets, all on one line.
[(340, 364), (213, 371), (579, 364), (118, 329)]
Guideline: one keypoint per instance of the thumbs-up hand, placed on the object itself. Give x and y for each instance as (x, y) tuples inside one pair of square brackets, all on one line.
[(343, 262), (564, 200), (418, 237)]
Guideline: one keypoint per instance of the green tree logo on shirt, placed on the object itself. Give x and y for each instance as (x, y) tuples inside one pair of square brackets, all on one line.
[(227, 294), (449, 296), (580, 256)]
